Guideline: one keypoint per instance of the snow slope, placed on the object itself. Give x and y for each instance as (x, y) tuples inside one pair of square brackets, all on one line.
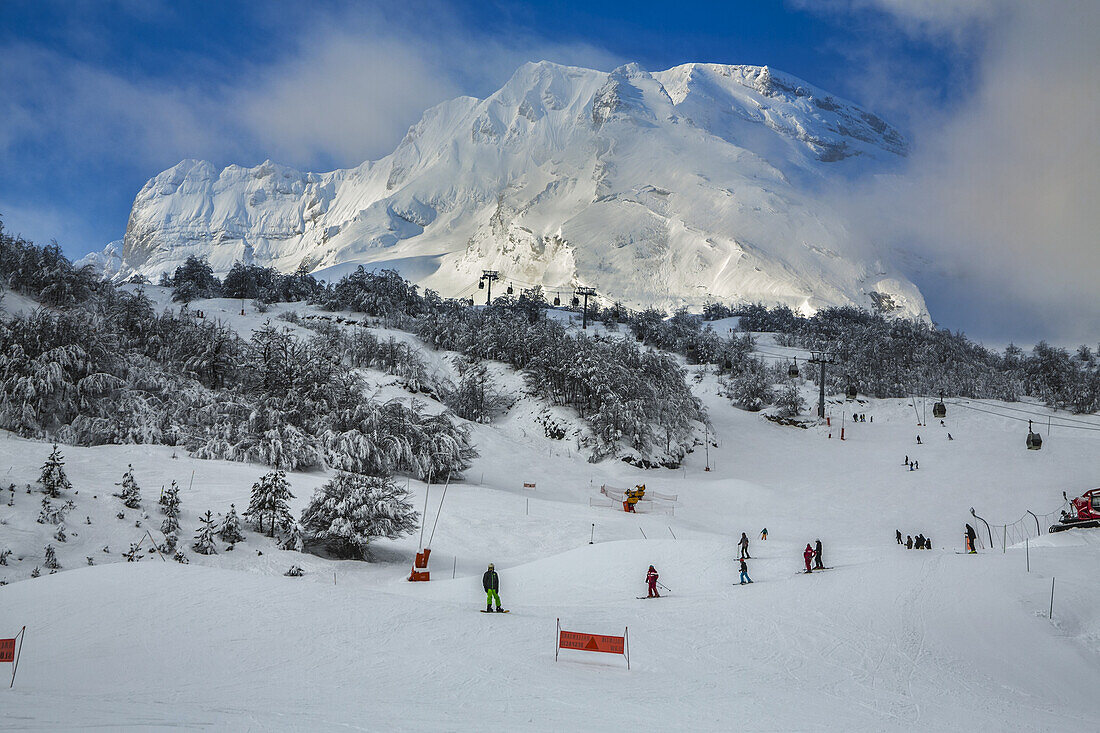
[(888, 639), (665, 189)]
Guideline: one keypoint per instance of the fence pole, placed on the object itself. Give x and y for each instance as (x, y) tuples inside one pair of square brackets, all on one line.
[(1050, 616), (643, 533), (454, 569), (1027, 553), (1004, 542)]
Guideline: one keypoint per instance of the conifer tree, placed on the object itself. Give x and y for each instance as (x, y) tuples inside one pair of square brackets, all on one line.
[(204, 538), (170, 505), (231, 527), (350, 509), (269, 502), (131, 493), (51, 558), (53, 478), (292, 539)]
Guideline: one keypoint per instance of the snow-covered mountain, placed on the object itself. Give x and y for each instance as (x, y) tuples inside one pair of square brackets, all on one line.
[(667, 189)]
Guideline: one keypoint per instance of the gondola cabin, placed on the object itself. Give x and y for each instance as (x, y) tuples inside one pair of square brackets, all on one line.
[(1034, 440)]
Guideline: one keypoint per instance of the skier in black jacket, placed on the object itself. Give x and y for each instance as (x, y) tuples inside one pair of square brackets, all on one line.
[(817, 556), (490, 581)]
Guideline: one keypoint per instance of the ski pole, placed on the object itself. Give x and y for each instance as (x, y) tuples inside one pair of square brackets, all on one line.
[(664, 586)]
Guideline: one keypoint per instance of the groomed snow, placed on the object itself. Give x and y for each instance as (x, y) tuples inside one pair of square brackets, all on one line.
[(888, 639)]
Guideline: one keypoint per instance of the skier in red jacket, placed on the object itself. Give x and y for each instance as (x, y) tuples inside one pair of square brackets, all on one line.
[(651, 579), (808, 553)]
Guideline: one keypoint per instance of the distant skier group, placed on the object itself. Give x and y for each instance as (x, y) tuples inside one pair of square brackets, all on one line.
[(812, 553), (920, 542), (913, 465)]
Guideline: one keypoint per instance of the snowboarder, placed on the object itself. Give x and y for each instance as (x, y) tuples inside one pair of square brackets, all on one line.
[(918, 440), (971, 537), (490, 581), (744, 544), (808, 554), (744, 573), (651, 580), (898, 534), (817, 556), (908, 542), (764, 533)]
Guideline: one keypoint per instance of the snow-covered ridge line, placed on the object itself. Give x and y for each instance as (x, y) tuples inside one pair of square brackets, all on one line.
[(665, 189)]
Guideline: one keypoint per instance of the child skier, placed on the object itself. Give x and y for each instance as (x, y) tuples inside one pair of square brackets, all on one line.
[(490, 581), (808, 553), (744, 544), (651, 580), (744, 573)]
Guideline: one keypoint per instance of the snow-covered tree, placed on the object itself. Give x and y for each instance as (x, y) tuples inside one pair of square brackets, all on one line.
[(269, 502), (204, 537), (60, 535), (53, 478), (131, 492), (350, 509), (170, 500), (4, 555), (750, 389), (790, 401), (231, 527), (51, 558), (292, 539)]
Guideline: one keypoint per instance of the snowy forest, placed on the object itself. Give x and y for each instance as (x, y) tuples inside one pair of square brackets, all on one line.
[(97, 364)]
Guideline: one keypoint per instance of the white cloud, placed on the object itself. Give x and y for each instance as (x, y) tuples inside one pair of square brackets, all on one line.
[(1002, 195)]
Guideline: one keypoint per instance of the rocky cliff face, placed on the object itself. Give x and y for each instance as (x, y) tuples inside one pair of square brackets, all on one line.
[(663, 189)]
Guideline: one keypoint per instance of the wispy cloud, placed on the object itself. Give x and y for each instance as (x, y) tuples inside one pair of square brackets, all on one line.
[(1001, 194)]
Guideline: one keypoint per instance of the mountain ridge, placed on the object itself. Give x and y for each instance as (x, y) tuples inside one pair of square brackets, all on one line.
[(563, 177)]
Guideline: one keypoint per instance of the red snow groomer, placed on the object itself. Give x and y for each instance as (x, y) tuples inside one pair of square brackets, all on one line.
[(1084, 511)]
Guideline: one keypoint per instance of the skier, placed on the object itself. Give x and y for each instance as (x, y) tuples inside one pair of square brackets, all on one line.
[(949, 436), (927, 543), (919, 542), (918, 440), (971, 537), (808, 554), (651, 579), (744, 544), (898, 534), (916, 465), (910, 466), (908, 542), (490, 581), (817, 556), (764, 533), (744, 573), (906, 461)]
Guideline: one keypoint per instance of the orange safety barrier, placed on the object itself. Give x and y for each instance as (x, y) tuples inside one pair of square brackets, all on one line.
[(593, 642), (420, 566)]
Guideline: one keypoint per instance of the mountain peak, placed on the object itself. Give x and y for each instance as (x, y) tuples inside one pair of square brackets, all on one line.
[(667, 188)]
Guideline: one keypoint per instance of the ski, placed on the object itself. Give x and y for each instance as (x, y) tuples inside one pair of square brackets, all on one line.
[(646, 598)]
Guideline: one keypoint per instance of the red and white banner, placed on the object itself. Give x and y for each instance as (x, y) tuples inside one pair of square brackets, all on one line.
[(584, 642), (10, 653)]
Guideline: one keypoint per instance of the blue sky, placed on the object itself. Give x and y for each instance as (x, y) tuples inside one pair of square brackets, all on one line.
[(97, 97)]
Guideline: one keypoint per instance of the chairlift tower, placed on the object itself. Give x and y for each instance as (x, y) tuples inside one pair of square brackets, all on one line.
[(488, 276), (585, 292), (822, 358)]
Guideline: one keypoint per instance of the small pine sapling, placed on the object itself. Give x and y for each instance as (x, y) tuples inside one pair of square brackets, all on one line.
[(295, 571), (269, 503), (36, 572), (53, 478), (59, 535), (4, 555), (131, 493), (292, 539), (231, 527), (180, 558), (204, 538), (51, 558)]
